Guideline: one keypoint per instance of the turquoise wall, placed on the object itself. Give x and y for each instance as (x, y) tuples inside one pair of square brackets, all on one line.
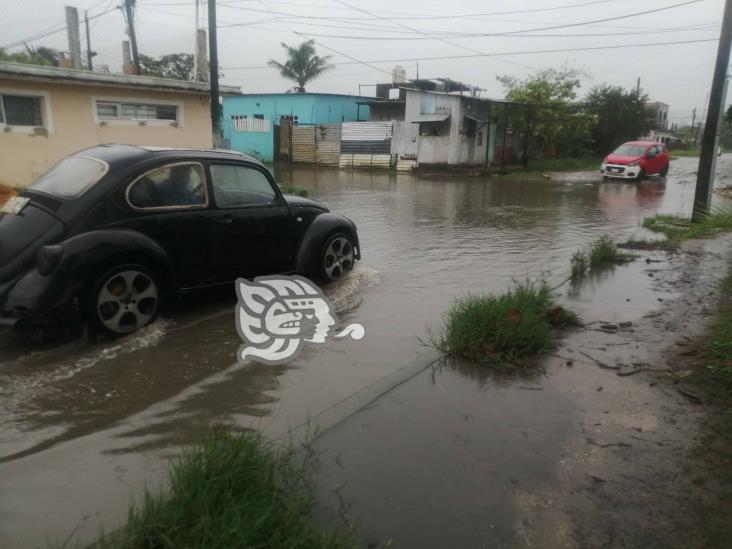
[(310, 108)]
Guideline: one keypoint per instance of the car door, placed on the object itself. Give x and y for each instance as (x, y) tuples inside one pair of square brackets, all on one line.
[(252, 229), (651, 160), (170, 204), (657, 162)]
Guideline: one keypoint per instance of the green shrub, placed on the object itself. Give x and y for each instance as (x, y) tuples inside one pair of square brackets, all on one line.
[(503, 329), (233, 490)]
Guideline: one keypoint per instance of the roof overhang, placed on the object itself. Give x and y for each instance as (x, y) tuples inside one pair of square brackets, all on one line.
[(41, 73), (427, 118)]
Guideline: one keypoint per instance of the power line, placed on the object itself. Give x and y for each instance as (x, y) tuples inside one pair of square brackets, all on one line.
[(469, 35), (470, 56), (440, 39), (54, 31), (365, 63)]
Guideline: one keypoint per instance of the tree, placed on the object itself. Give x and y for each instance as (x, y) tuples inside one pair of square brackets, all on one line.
[(41, 55), (620, 116), (178, 66), (552, 122), (302, 64)]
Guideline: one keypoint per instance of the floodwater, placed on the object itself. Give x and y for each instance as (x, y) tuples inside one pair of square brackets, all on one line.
[(83, 426)]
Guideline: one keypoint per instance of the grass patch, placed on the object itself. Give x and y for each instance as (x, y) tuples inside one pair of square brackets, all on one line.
[(680, 152), (564, 164), (503, 329), (233, 490), (677, 229), (293, 189), (601, 254), (717, 355)]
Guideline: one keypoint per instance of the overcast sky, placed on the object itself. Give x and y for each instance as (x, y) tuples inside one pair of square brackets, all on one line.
[(355, 31)]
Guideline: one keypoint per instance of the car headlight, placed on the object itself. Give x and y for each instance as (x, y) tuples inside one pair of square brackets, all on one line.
[(48, 258), (634, 163)]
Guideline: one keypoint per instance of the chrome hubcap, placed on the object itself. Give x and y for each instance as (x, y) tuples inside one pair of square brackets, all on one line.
[(338, 258), (127, 301)]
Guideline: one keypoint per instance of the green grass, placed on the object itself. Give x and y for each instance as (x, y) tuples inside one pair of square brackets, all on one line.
[(233, 490), (677, 229), (293, 189), (565, 164), (680, 152), (717, 353), (601, 254), (504, 329)]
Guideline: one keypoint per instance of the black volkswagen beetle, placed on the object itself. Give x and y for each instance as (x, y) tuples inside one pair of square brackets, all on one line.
[(114, 230)]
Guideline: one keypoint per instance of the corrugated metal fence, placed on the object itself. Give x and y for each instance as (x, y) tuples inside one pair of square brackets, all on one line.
[(303, 144), (328, 143), (366, 144), (316, 144)]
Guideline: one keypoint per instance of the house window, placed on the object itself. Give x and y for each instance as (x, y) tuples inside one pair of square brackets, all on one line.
[(255, 124), (21, 110), (480, 139), (116, 110)]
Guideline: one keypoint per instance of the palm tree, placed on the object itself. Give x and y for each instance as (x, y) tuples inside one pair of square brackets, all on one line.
[(302, 64)]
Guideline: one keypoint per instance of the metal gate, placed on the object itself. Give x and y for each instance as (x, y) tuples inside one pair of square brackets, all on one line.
[(303, 144)]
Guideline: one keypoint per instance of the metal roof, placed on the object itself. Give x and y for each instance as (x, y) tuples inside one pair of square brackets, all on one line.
[(430, 118), (89, 78)]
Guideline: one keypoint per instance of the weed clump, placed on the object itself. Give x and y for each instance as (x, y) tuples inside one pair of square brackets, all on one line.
[(293, 189), (601, 254), (677, 229), (233, 490), (503, 329)]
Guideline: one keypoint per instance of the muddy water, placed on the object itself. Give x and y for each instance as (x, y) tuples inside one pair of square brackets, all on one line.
[(84, 425)]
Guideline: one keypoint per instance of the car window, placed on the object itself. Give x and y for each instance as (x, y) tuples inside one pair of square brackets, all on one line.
[(630, 150), (71, 177), (175, 185), (236, 186)]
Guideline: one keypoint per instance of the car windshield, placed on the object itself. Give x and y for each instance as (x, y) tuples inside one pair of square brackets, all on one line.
[(71, 177), (630, 150)]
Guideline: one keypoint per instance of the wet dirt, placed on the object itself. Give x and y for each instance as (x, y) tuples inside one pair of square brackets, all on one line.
[(85, 425)]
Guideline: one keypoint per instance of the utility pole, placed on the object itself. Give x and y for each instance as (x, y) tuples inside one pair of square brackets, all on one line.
[(72, 28), (195, 44), (214, 75), (637, 87), (89, 52), (130, 16), (692, 135), (705, 175)]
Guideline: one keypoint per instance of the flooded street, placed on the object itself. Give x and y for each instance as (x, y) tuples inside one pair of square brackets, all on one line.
[(83, 426)]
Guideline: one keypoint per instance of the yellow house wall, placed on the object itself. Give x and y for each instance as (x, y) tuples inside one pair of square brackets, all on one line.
[(25, 155)]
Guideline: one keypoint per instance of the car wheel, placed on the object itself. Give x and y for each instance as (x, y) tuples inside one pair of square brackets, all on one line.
[(336, 258), (123, 300), (664, 171), (641, 174)]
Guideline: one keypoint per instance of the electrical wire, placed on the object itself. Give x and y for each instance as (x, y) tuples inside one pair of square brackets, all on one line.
[(525, 52)]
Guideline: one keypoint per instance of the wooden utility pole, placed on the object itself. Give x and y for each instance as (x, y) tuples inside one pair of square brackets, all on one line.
[(214, 74), (72, 28), (130, 16), (89, 52), (692, 133), (705, 175)]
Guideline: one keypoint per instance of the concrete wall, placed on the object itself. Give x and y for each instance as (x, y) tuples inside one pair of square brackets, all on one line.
[(309, 109), (71, 125)]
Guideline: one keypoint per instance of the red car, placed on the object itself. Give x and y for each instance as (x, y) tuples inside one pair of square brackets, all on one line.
[(636, 160)]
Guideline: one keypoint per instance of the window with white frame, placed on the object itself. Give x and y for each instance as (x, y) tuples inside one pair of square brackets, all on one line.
[(139, 111), (256, 124), (21, 110)]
